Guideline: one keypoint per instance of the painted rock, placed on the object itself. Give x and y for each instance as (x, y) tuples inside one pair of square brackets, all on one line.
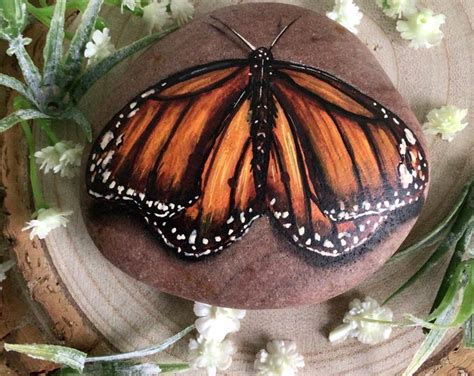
[(259, 157)]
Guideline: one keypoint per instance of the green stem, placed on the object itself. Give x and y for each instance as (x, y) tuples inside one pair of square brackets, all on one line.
[(35, 186), (409, 324), (45, 126), (381, 322)]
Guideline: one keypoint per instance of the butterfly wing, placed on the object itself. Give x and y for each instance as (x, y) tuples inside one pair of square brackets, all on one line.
[(341, 165), (178, 139)]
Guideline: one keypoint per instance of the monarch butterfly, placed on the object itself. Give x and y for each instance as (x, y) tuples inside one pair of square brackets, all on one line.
[(208, 150)]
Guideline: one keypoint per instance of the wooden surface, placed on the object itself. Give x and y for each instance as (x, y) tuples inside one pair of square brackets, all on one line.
[(72, 294)]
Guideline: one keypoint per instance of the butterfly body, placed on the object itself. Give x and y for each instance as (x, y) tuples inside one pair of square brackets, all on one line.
[(207, 151), (262, 117)]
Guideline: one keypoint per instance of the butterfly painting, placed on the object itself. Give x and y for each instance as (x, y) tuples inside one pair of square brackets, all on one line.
[(205, 152)]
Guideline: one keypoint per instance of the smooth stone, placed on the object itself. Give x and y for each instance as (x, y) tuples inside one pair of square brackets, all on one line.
[(262, 270)]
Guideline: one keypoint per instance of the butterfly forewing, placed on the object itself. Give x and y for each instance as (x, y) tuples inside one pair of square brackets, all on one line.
[(152, 153)]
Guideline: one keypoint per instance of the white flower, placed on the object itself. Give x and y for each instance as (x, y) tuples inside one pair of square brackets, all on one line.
[(422, 29), (130, 4), (211, 355), (181, 11), (155, 16), (216, 322), (346, 13), (398, 8), (279, 359), (5, 267), (63, 158), (46, 220), (447, 121), (366, 332), (100, 47)]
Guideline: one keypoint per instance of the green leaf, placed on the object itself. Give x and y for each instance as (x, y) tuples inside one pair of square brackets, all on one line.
[(17, 116), (53, 49), (73, 59), (58, 354), (93, 73), (435, 336), (449, 295), (432, 236), (29, 71), (462, 222), (13, 18), (43, 15), (174, 367), (468, 339), (467, 307), (18, 86), (79, 118), (121, 369), (466, 218), (144, 352), (437, 255)]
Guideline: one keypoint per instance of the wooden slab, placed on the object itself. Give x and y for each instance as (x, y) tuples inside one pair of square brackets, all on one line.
[(96, 303)]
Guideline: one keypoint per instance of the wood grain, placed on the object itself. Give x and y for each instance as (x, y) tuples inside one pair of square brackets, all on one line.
[(95, 305)]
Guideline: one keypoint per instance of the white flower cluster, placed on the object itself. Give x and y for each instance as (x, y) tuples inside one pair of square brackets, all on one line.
[(367, 321), (280, 358), (130, 4), (46, 220), (347, 14), (99, 47), (210, 350), (64, 158), (158, 14), (210, 354), (446, 121), (420, 26), (398, 8)]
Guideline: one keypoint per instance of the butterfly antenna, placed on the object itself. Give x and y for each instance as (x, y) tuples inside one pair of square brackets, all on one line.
[(247, 43), (280, 34)]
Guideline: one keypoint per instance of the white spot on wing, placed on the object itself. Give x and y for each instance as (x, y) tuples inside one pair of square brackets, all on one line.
[(108, 136), (410, 137), (405, 177)]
